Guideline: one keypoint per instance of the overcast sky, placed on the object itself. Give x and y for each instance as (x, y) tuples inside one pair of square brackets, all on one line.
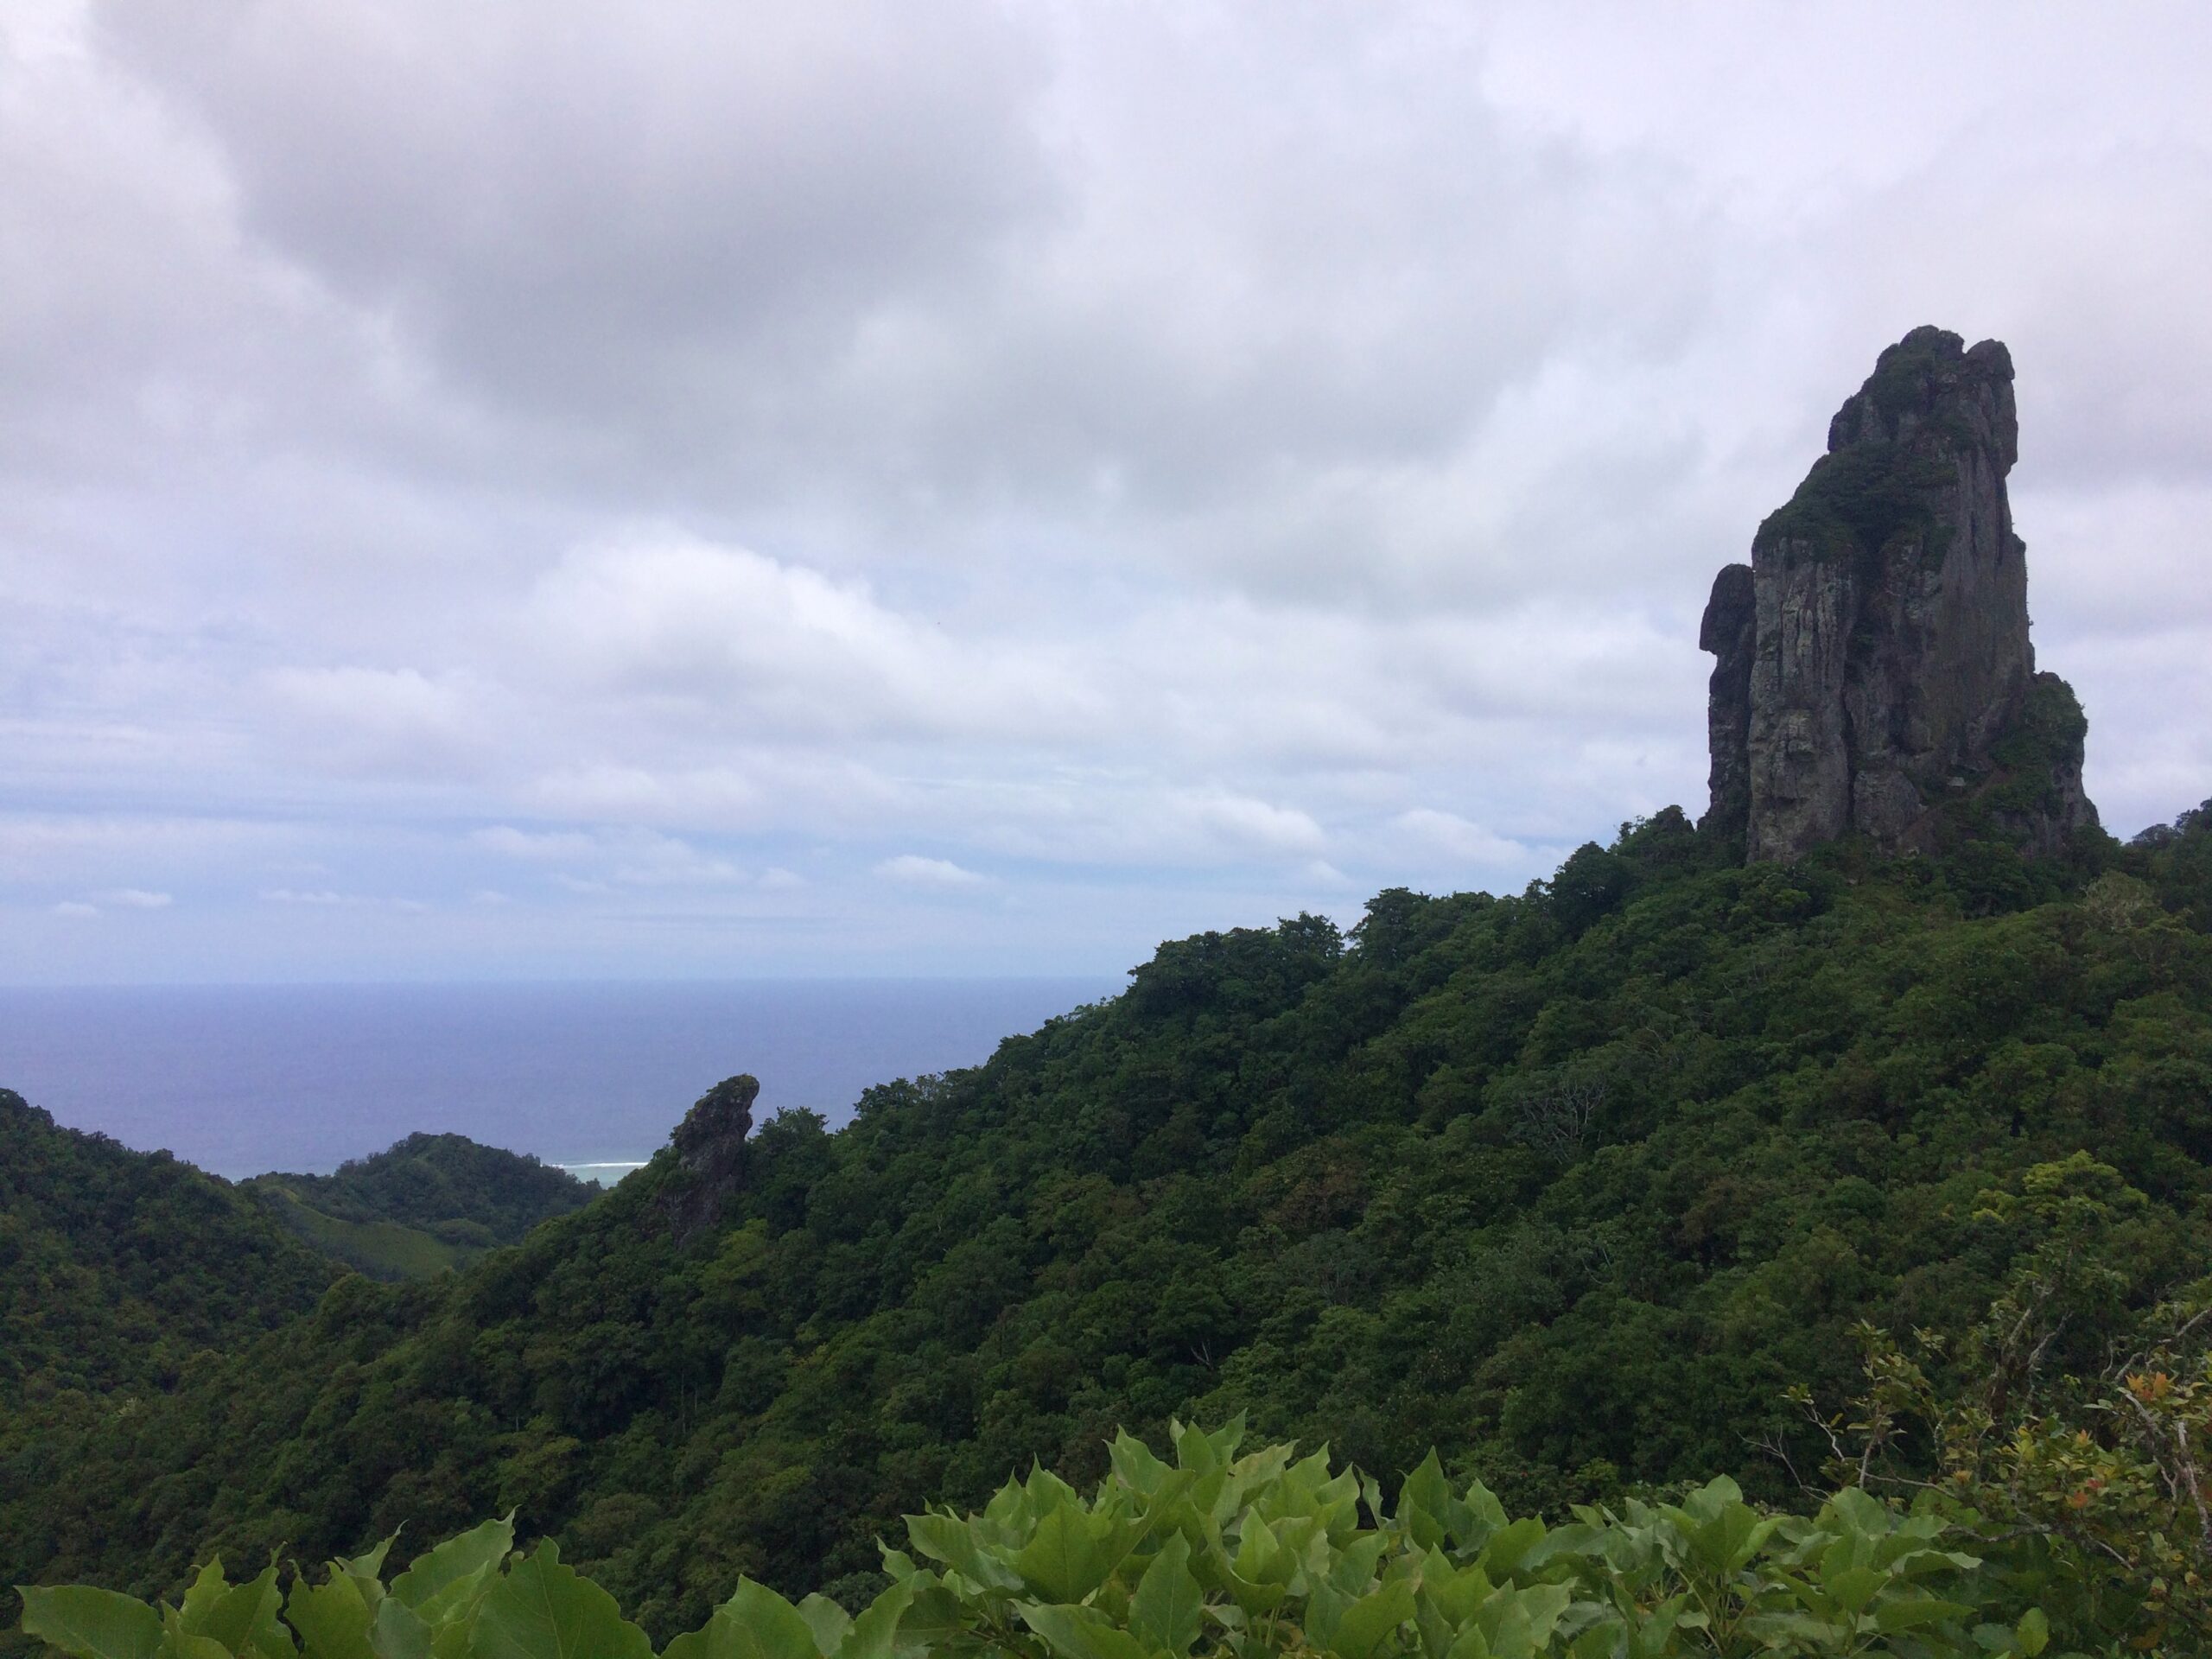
[(519, 488)]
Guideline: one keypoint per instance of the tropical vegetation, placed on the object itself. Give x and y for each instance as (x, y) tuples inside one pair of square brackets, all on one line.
[(1884, 1177), (1213, 1553)]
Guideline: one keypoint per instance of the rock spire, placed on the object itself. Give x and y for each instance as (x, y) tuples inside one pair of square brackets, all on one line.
[(710, 1158), (1874, 674)]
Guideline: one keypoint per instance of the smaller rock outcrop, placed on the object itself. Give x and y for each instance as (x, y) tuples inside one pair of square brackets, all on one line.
[(709, 1147), (1729, 632), (1874, 674)]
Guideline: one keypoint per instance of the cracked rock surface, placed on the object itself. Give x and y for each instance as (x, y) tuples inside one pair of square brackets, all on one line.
[(1874, 670)]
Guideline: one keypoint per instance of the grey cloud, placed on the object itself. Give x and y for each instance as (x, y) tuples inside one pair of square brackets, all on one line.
[(569, 204), (872, 255), (1163, 463)]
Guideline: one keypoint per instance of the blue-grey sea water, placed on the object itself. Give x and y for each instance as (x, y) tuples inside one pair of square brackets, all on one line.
[(242, 1079)]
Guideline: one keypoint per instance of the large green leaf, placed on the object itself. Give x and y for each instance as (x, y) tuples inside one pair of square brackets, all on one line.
[(1081, 1632), (1063, 1561), (934, 1618), (239, 1618), (1425, 1505), (1196, 1450), (366, 1570), (543, 1609), (1368, 1621), (775, 1628), (1165, 1611), (1853, 1587), (827, 1622), (945, 1538), (268, 1635), (1426, 1486), (369, 1564), (718, 1638), (397, 1633), (1458, 1591), (1134, 1464), (1912, 1613), (178, 1642), (201, 1597), (1513, 1623), (875, 1634), (446, 1576), (332, 1617), (1509, 1546), (1261, 1559), (1725, 1543), (90, 1624), (1484, 1510), (755, 1623), (1213, 1568)]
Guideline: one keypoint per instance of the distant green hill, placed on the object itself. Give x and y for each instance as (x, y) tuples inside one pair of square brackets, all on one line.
[(424, 1204), (118, 1268), (1577, 1185), (125, 1276)]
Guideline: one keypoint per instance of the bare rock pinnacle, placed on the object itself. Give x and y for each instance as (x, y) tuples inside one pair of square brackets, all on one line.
[(709, 1146), (1875, 675)]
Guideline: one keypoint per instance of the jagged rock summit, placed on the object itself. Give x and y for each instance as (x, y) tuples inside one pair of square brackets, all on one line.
[(1875, 674), (709, 1146)]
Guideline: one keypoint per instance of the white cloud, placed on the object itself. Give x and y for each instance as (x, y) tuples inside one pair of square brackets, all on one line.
[(664, 861), (778, 649), (377, 719), (627, 856), (915, 870), (1448, 833), (74, 908), (1253, 822), (1146, 453), (331, 898), (133, 898), (612, 790), (58, 841), (536, 843)]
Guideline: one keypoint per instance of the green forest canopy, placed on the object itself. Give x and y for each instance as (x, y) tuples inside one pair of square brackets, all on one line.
[(425, 1204), (1576, 1186)]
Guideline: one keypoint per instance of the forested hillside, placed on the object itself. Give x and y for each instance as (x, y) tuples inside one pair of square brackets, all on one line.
[(122, 1275), (1577, 1186), (426, 1203), (117, 1266)]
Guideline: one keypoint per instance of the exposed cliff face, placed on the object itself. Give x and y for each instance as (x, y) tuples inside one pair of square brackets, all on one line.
[(1874, 656), (1728, 632), (709, 1147)]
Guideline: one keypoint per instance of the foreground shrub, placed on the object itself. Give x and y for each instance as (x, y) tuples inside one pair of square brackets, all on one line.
[(1216, 1553)]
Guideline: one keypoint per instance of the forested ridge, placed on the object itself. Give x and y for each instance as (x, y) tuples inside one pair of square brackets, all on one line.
[(1580, 1187), (116, 1268), (124, 1274), (424, 1203)]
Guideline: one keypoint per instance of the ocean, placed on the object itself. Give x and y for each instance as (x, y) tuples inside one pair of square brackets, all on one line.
[(244, 1079)]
